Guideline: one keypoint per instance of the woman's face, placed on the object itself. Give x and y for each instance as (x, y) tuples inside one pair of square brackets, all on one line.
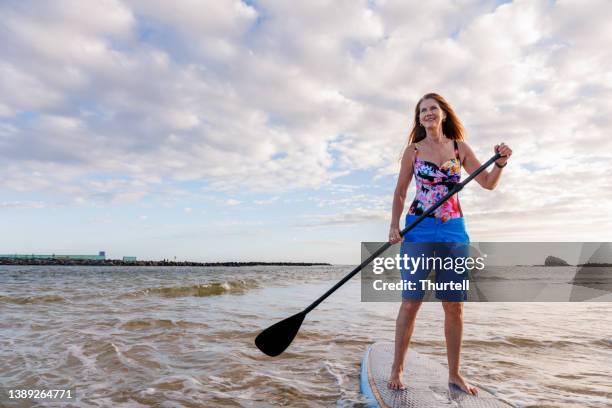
[(430, 113)]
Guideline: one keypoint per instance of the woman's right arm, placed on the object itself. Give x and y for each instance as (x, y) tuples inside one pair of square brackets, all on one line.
[(399, 197)]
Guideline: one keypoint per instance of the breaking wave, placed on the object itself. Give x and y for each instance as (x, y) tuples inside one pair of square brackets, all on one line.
[(29, 300), (201, 290)]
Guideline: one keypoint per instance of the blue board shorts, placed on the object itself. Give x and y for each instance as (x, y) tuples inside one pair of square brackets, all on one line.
[(432, 237)]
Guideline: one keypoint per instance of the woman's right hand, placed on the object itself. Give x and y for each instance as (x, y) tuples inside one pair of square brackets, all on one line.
[(394, 235)]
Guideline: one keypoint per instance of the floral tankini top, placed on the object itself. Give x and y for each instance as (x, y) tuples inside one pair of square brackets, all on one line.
[(433, 183)]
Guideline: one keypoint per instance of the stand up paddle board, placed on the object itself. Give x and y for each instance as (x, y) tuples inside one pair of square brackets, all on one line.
[(426, 383)]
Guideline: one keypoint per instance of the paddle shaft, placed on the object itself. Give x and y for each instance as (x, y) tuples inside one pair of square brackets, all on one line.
[(458, 187)]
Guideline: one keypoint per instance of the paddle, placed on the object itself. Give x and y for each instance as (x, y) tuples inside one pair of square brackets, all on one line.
[(276, 338)]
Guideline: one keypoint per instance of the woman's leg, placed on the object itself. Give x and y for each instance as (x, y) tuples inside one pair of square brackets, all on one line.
[(416, 243), (404, 327), (453, 331)]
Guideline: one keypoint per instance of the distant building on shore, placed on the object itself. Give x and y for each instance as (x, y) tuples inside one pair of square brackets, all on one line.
[(100, 257), (129, 259)]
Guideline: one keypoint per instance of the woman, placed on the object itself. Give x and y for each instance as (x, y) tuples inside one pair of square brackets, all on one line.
[(435, 153)]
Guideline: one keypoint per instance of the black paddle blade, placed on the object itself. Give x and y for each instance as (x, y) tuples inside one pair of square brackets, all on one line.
[(276, 338)]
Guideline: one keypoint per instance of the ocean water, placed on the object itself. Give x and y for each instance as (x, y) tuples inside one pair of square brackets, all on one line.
[(173, 336)]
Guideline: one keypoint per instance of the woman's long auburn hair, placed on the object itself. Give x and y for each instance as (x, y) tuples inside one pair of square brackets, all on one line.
[(451, 127)]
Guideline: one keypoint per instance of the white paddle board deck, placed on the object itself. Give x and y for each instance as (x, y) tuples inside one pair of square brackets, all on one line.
[(426, 383)]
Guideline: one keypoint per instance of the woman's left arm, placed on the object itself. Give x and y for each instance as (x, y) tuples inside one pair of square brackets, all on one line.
[(487, 179)]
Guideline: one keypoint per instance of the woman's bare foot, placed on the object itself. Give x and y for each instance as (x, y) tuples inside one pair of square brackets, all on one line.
[(460, 382), (395, 380)]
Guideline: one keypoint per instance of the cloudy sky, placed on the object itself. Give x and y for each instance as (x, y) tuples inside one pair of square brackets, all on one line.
[(271, 130)]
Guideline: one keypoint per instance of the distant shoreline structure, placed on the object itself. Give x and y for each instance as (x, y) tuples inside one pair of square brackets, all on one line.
[(119, 262)]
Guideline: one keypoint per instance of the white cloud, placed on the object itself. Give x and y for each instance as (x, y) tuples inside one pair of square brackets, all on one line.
[(22, 91), (110, 101), (348, 218), (266, 201), (23, 204)]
